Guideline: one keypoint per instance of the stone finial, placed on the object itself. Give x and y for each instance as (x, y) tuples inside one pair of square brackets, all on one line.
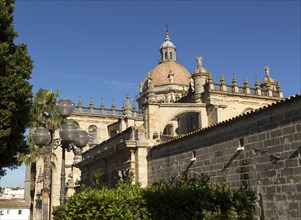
[(200, 69), (102, 104), (268, 82), (210, 82), (113, 106), (278, 85), (258, 89), (234, 84), (68, 97), (234, 80), (127, 106), (279, 89), (222, 83), (199, 61), (246, 82), (79, 103), (267, 71), (256, 82), (91, 104), (127, 102), (246, 86), (209, 77), (222, 80)]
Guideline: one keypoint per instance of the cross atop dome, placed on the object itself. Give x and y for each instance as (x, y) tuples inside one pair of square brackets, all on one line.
[(167, 36)]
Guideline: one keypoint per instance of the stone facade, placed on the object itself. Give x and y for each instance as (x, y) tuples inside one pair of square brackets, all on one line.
[(172, 103)]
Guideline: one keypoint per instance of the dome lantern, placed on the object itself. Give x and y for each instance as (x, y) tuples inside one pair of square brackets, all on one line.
[(168, 50)]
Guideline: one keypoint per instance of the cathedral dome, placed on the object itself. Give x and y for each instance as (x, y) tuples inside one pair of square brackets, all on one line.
[(160, 75), (168, 71)]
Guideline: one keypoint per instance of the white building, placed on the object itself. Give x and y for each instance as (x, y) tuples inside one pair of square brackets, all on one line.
[(10, 193), (13, 209)]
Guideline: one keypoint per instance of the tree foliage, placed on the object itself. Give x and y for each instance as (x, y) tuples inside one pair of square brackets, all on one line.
[(43, 110), (178, 199), (15, 90)]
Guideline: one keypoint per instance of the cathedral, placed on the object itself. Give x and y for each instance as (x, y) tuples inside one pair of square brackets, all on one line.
[(173, 102), (174, 105)]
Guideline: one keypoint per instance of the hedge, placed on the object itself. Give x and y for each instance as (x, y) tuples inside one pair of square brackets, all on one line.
[(180, 198)]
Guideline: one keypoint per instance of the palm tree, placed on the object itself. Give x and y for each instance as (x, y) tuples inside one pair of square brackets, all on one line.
[(30, 160), (44, 114)]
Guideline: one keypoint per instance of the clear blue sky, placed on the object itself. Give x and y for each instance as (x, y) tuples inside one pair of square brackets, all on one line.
[(104, 49)]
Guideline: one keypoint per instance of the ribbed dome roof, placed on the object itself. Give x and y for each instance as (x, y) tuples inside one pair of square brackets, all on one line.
[(268, 79), (160, 74), (167, 44)]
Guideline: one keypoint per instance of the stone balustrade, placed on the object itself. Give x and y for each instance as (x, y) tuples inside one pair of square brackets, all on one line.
[(246, 89)]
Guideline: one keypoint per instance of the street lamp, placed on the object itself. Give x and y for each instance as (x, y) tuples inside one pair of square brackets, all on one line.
[(71, 138)]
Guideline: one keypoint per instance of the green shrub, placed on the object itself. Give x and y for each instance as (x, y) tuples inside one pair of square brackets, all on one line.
[(123, 202), (178, 199), (197, 199)]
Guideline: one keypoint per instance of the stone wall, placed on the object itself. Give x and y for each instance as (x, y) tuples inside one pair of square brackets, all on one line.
[(261, 149)]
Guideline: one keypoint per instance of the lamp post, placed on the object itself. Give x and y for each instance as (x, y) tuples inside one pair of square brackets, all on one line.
[(71, 138)]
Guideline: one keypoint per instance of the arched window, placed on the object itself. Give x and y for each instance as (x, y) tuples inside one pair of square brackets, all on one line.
[(170, 55), (188, 122), (168, 130), (166, 57), (92, 131)]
